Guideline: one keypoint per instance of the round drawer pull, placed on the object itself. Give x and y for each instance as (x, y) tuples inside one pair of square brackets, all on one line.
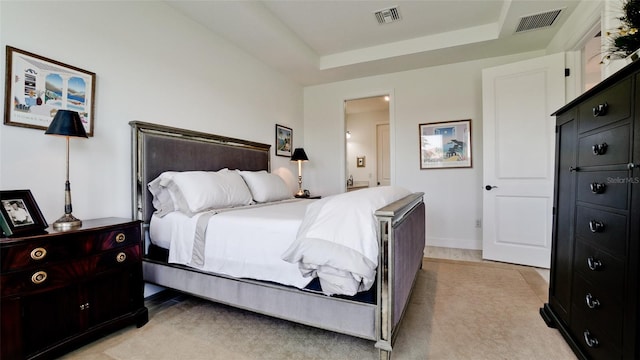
[(600, 109), (592, 302), (39, 277), (599, 149), (596, 226), (121, 257), (38, 253), (594, 264), (590, 340), (598, 188), (120, 238)]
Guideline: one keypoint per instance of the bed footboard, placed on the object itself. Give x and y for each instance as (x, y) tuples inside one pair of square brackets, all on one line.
[(402, 241)]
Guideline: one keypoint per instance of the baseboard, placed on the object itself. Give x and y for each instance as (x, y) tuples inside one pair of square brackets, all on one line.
[(468, 244)]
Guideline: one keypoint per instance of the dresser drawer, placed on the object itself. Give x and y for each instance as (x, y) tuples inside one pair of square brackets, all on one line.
[(592, 340), (600, 310), (38, 252), (600, 269), (608, 147), (602, 229), (605, 107), (64, 273), (603, 188)]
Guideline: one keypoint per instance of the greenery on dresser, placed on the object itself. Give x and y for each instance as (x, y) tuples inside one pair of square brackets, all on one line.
[(625, 40)]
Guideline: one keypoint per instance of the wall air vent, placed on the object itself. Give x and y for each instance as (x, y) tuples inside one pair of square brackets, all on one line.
[(538, 21), (388, 15)]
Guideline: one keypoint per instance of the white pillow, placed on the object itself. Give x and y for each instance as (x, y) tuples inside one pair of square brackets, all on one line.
[(191, 192), (205, 190), (163, 200), (265, 186)]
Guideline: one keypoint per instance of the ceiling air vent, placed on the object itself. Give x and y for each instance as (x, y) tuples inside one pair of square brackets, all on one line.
[(389, 15), (538, 21)]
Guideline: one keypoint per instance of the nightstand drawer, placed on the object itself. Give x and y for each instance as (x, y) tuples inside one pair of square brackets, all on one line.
[(40, 252), (605, 107), (608, 147), (62, 274), (603, 229)]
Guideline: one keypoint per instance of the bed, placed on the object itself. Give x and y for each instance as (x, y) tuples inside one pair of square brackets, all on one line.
[(373, 314)]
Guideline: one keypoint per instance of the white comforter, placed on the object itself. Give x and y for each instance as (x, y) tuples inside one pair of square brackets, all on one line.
[(242, 242), (337, 240)]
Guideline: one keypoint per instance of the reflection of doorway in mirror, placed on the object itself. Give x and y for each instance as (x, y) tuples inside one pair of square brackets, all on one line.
[(363, 155)]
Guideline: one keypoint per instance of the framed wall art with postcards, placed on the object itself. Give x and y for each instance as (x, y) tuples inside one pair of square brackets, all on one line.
[(37, 87)]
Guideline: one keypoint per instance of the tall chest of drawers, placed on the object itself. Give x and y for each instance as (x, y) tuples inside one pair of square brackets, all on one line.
[(593, 288), (61, 290)]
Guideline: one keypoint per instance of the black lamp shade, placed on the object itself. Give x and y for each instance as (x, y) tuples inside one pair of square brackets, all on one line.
[(66, 123), (299, 154)]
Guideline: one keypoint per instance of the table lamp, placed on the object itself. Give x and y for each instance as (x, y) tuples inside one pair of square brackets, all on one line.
[(67, 123), (299, 155)]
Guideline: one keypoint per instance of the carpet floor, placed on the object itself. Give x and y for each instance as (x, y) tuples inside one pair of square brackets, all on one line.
[(458, 310)]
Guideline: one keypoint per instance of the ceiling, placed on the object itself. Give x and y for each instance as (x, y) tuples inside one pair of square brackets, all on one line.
[(321, 41)]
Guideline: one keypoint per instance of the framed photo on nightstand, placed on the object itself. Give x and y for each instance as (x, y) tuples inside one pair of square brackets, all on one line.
[(20, 214)]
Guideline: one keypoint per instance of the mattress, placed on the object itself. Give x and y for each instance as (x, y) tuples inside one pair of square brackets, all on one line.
[(245, 242)]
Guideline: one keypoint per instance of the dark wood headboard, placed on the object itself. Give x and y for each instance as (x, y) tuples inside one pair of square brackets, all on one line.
[(159, 148)]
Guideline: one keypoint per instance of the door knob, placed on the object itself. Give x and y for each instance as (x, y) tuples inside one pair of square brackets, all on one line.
[(489, 187)]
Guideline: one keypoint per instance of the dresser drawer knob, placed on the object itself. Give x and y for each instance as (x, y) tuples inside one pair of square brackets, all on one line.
[(600, 109), (590, 339), (120, 238), (594, 264), (38, 253), (39, 277), (84, 306), (592, 302), (596, 226), (599, 149), (598, 188), (121, 257)]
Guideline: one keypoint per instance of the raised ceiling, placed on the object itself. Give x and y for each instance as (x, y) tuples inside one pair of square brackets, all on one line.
[(314, 42)]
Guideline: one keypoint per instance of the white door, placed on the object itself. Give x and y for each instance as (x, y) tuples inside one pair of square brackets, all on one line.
[(383, 155), (518, 157)]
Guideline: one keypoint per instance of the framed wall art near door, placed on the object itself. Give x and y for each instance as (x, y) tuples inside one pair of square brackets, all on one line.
[(20, 214), (284, 140), (37, 87), (445, 145)]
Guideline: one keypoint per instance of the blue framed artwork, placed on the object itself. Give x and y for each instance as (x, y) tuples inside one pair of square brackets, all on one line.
[(284, 140), (445, 145)]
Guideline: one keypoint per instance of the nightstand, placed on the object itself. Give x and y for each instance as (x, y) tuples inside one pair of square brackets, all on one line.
[(63, 289), (309, 197)]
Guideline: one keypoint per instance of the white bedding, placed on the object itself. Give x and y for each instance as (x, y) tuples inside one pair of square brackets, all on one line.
[(245, 243), (338, 242), (288, 242)]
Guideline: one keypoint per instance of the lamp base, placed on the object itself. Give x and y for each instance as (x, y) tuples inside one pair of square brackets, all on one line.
[(66, 222)]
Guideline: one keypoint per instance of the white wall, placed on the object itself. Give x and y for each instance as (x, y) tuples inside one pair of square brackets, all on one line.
[(450, 92), (153, 65)]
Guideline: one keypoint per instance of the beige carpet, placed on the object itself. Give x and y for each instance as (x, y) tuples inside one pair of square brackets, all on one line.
[(459, 310)]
